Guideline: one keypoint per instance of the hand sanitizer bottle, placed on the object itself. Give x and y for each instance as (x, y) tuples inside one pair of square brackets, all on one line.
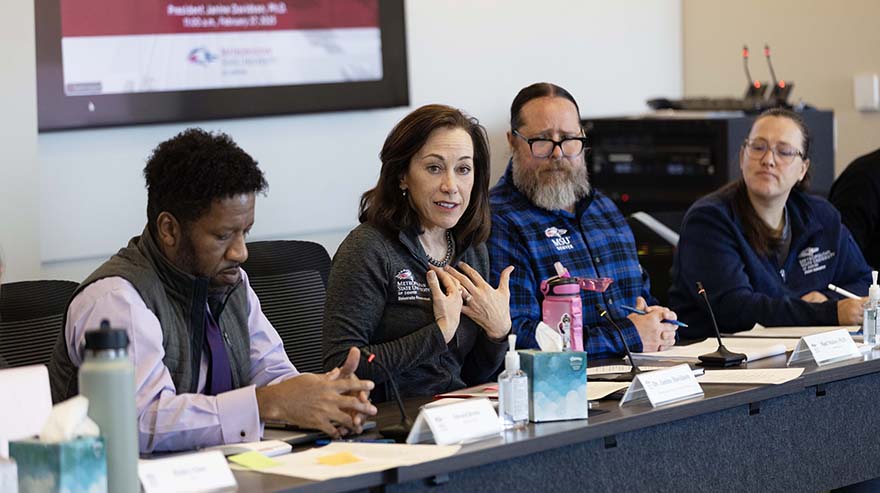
[(869, 322), (513, 390)]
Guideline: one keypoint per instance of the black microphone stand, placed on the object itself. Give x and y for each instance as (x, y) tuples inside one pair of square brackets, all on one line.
[(400, 431), (722, 357), (620, 377)]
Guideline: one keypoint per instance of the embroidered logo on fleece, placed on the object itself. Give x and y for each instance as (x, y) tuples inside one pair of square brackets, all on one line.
[(812, 260), (556, 235), (408, 288)]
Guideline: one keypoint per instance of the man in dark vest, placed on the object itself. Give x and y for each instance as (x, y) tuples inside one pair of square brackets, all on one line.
[(209, 367)]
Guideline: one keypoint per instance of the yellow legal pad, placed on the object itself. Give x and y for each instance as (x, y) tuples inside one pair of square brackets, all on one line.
[(338, 459), (253, 460)]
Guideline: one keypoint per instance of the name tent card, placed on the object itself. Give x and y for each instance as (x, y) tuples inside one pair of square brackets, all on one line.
[(663, 386), (825, 348), (204, 471), (459, 421)]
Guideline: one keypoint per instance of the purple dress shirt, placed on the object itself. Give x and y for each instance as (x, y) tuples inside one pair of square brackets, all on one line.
[(168, 420)]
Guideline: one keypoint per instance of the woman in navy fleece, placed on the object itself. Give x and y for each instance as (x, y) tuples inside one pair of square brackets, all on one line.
[(765, 250)]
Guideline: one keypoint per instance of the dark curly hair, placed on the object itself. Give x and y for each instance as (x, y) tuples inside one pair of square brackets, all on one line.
[(387, 209), (187, 173)]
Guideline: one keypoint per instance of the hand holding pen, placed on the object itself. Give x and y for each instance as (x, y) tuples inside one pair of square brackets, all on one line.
[(643, 312), (654, 325)]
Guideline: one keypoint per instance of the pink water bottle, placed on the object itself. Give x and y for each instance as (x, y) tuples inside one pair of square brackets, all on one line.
[(561, 309)]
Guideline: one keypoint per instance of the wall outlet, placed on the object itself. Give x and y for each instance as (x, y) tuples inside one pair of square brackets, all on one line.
[(866, 92)]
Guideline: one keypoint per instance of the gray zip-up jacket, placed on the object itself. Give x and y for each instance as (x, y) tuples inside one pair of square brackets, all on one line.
[(378, 298)]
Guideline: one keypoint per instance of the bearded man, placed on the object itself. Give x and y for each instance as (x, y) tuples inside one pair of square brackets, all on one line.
[(544, 211)]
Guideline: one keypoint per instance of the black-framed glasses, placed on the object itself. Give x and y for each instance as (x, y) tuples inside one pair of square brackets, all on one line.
[(541, 148), (784, 153)]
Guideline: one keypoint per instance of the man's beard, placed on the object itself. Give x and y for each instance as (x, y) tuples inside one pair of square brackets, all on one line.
[(552, 191), (186, 256)]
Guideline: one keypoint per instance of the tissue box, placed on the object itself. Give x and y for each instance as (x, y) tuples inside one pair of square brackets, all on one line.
[(70, 466), (557, 384)]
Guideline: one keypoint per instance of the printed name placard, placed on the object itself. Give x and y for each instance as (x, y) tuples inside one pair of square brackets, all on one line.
[(663, 386), (457, 422), (205, 471), (825, 348)]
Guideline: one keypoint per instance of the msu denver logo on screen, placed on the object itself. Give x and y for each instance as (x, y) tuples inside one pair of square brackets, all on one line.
[(201, 56)]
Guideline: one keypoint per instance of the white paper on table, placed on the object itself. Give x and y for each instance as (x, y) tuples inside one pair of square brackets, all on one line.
[(599, 390), (767, 376), (753, 348), (760, 331), (611, 369), (371, 457)]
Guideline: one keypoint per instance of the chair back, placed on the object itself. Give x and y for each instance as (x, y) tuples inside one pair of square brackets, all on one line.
[(31, 314), (656, 237), (290, 279)]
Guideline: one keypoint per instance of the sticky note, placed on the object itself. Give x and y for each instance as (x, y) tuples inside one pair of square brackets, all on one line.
[(338, 459), (253, 460)]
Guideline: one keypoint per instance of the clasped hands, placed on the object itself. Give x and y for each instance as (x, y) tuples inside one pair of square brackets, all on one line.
[(336, 402)]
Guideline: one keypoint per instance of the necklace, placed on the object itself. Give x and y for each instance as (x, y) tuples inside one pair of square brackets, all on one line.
[(450, 248)]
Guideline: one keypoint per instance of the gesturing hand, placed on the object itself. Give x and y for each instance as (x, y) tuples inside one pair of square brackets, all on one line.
[(487, 306), (447, 302), (320, 402)]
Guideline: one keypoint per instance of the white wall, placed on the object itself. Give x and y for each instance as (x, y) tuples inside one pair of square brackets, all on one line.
[(19, 193), (78, 196)]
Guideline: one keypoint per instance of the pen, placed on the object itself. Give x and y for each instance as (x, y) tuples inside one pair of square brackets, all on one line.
[(325, 441), (842, 292), (643, 312)]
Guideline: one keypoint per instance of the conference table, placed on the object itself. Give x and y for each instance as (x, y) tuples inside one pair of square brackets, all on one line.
[(817, 432)]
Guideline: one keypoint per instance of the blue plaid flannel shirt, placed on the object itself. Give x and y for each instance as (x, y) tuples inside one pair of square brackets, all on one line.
[(594, 242)]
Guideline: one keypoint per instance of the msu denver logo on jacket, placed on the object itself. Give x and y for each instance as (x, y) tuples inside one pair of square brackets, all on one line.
[(811, 260), (556, 236), (409, 288)]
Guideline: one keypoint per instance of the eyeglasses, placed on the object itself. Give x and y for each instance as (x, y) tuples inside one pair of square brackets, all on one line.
[(541, 148), (757, 148)]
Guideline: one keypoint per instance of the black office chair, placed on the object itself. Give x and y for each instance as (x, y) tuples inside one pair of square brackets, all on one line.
[(290, 279), (656, 237), (31, 314)]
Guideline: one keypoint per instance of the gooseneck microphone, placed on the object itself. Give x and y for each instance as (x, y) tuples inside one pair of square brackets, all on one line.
[(722, 356), (635, 367), (755, 89), (770, 64), (746, 65), (781, 88), (400, 431)]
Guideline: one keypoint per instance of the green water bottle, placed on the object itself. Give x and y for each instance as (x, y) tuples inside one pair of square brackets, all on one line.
[(106, 378)]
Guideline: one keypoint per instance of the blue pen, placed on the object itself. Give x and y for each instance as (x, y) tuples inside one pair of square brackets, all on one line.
[(643, 312)]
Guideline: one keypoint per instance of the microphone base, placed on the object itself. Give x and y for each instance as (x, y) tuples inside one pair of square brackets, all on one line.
[(722, 358), (397, 432)]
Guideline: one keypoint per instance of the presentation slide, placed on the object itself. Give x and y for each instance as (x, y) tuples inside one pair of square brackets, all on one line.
[(138, 46)]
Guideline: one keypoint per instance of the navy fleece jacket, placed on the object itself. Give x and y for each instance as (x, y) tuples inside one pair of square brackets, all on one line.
[(744, 287)]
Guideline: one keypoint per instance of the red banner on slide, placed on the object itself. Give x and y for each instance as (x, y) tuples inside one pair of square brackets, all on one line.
[(133, 17)]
